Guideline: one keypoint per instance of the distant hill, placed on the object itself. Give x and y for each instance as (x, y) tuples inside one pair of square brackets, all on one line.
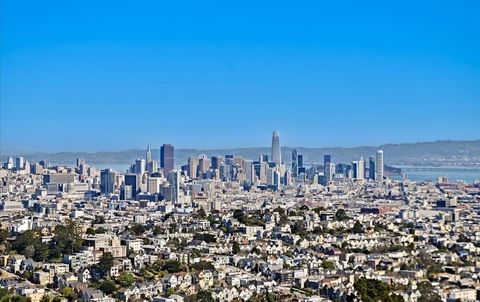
[(466, 153)]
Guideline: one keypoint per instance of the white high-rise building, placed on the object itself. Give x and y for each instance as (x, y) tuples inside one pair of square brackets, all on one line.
[(277, 180), (359, 169), (379, 168), (140, 166), (276, 151), (153, 185)]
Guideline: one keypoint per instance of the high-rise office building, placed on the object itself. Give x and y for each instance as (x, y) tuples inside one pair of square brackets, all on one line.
[(263, 172), (19, 163), (166, 158), (300, 161), (354, 169), (132, 180), (361, 169), (152, 167), (287, 178), (329, 171), (203, 164), (80, 162), (107, 181), (249, 172), (276, 151), (153, 185), (379, 168), (229, 159), (327, 159), (174, 180), (326, 169), (9, 164), (139, 166), (277, 180), (294, 162), (371, 168), (192, 167), (216, 162), (126, 192)]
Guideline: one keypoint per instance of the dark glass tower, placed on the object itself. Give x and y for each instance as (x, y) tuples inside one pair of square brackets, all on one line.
[(166, 158)]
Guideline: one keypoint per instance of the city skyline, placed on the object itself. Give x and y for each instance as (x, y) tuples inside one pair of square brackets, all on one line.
[(159, 71), (240, 151), (266, 144)]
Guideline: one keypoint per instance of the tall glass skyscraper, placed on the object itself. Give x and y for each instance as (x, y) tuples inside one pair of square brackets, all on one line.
[(371, 168), (107, 181), (379, 165), (166, 158), (294, 163), (327, 170), (276, 152)]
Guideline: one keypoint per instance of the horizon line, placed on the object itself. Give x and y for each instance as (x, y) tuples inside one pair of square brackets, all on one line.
[(10, 152)]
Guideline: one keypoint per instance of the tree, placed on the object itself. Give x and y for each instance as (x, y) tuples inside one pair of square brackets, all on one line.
[(98, 220), (4, 293), (357, 227), (269, 297), (204, 296), (46, 298), (201, 213), (341, 215), (328, 265), (238, 214), (299, 228), (100, 230), (29, 251), (105, 263), (25, 239), (371, 290), (69, 293), (208, 238), (126, 279), (108, 287), (3, 235), (172, 266), (202, 265), (30, 245), (18, 298), (138, 229), (68, 237), (157, 230), (236, 248), (90, 231), (427, 293), (42, 252)]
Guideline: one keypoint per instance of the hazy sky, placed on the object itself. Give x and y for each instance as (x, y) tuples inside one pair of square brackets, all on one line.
[(112, 75)]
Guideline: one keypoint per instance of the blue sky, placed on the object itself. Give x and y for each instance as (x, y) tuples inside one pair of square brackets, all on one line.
[(114, 75)]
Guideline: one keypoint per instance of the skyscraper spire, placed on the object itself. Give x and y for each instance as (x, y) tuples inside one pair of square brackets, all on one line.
[(148, 156), (276, 152)]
